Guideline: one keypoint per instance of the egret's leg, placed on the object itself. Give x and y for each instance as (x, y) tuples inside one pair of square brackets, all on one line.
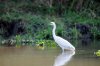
[(62, 49)]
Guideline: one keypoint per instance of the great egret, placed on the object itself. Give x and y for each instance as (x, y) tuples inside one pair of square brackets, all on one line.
[(64, 44)]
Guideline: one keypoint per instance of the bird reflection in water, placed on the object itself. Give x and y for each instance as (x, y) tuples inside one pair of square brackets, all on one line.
[(63, 58)]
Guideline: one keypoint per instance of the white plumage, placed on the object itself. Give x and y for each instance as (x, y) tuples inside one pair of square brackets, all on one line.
[(64, 44)]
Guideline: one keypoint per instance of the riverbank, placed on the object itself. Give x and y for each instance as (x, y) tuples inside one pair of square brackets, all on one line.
[(26, 21)]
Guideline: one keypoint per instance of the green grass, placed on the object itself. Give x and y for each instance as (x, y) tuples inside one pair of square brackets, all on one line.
[(37, 19), (38, 25)]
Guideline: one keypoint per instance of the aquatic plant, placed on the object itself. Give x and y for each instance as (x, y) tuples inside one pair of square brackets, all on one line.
[(97, 53)]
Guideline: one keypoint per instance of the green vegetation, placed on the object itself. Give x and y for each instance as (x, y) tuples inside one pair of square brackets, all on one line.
[(47, 43), (33, 18), (97, 53)]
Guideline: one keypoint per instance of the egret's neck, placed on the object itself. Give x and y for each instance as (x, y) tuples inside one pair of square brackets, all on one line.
[(54, 28)]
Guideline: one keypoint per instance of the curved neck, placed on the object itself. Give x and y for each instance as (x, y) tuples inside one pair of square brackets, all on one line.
[(54, 28)]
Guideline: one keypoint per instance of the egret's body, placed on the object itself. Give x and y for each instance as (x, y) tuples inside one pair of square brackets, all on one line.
[(64, 44)]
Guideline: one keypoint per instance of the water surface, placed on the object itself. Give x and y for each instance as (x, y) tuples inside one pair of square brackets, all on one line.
[(32, 56)]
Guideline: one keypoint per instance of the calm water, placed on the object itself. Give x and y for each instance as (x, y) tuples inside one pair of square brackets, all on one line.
[(32, 56)]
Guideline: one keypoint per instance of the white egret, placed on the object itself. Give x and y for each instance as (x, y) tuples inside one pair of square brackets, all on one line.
[(64, 44)]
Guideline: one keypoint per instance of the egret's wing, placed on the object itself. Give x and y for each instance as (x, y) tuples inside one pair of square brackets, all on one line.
[(63, 42)]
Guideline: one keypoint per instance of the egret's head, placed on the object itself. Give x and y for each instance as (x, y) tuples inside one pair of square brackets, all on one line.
[(52, 23)]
